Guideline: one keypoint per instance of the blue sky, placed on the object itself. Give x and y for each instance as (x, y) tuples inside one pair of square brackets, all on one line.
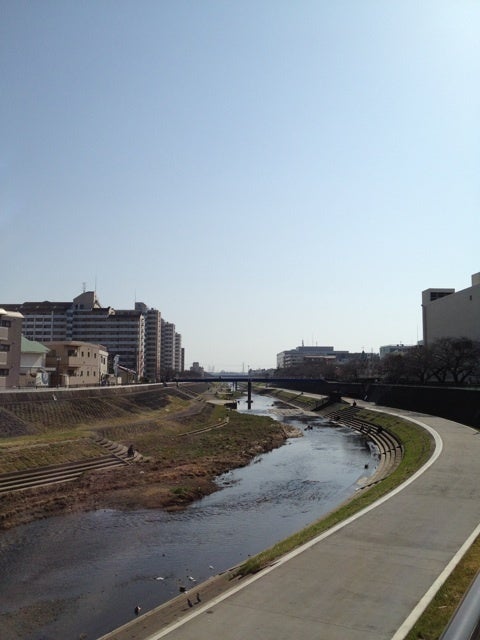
[(262, 172)]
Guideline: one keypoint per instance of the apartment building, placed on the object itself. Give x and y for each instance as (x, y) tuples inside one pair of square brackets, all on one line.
[(153, 341), (134, 335), (178, 353), (447, 313), (167, 348), (10, 347)]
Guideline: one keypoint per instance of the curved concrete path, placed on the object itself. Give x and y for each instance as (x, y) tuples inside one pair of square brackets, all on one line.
[(366, 579)]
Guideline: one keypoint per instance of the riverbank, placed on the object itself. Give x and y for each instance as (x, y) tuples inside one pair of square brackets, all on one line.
[(185, 443), (418, 448)]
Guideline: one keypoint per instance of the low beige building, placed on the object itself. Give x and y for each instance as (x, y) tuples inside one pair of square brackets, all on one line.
[(77, 364), (10, 348)]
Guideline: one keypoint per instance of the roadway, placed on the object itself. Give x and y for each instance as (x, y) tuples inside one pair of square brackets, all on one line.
[(369, 578)]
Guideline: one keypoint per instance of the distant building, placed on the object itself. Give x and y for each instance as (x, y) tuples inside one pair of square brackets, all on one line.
[(134, 335), (450, 314), (10, 348), (300, 355), (173, 356), (196, 368), (153, 341), (393, 349)]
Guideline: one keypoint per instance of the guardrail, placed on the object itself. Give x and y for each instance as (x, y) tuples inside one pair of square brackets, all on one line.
[(465, 622)]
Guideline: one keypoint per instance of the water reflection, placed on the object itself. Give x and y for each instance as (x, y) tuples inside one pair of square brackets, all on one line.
[(91, 569)]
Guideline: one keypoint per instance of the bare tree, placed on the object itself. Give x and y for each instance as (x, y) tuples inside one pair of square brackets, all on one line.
[(457, 358)]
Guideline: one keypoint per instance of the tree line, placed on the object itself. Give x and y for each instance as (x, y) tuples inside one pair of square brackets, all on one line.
[(446, 360)]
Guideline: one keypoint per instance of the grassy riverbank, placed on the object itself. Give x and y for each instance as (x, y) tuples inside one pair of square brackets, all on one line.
[(186, 444)]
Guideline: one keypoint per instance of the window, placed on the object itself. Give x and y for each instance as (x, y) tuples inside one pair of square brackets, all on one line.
[(4, 373), (5, 323), (4, 347)]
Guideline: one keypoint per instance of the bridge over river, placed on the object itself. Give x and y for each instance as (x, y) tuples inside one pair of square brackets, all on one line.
[(368, 578)]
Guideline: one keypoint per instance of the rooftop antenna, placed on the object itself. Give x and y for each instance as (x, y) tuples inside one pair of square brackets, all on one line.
[(84, 287)]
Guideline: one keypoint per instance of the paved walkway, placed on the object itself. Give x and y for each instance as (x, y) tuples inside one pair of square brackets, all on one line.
[(366, 579)]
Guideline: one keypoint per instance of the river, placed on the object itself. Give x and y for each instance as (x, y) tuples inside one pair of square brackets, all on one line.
[(88, 571)]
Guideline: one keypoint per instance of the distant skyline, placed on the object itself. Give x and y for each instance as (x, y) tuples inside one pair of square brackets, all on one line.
[(261, 172)]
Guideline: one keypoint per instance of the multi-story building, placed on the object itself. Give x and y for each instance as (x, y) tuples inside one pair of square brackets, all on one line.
[(395, 349), (447, 313), (44, 321), (77, 364), (299, 355), (153, 341), (134, 335), (167, 357), (10, 347), (179, 355)]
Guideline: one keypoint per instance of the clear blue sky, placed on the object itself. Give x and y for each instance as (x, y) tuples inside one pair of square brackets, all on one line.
[(260, 171)]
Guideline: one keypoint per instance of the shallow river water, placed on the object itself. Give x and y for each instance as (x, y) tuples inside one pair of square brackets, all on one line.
[(92, 569)]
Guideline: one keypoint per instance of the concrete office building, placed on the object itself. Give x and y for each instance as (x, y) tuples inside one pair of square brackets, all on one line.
[(300, 355), (393, 349), (447, 313), (10, 348)]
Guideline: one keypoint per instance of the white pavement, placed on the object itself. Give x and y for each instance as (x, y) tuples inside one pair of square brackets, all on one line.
[(368, 578)]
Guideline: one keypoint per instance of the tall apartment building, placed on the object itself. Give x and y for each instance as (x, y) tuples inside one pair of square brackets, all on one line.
[(178, 352), (10, 347), (132, 334), (167, 348), (447, 313), (153, 341), (173, 356)]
